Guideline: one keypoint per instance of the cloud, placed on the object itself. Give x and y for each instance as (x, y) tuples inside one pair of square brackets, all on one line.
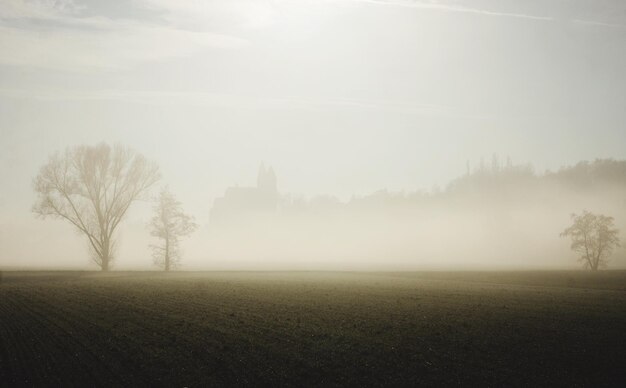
[(37, 9), (52, 34), (449, 8), (61, 35), (245, 14)]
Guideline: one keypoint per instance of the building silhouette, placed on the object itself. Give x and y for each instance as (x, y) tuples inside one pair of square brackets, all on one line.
[(245, 203)]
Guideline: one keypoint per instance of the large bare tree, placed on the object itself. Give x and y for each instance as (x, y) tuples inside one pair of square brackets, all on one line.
[(594, 236), (169, 223), (93, 187)]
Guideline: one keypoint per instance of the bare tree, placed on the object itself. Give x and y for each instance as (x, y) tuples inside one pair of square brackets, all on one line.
[(169, 224), (594, 237), (93, 187)]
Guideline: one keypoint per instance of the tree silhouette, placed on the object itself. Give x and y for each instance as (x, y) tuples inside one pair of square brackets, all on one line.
[(93, 187), (594, 237), (169, 223)]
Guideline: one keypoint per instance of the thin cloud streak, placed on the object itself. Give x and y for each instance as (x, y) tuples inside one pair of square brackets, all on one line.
[(595, 23), (228, 100), (450, 8), (120, 46), (477, 11)]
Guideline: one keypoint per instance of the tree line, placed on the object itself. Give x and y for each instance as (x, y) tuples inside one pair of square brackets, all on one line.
[(93, 187)]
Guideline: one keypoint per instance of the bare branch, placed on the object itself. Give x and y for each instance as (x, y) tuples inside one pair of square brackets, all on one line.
[(594, 237), (169, 223), (93, 187)]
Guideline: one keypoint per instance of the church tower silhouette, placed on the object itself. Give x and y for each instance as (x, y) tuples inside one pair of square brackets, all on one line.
[(266, 180)]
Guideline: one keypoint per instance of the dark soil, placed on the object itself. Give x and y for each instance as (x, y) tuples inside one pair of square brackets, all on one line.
[(313, 329)]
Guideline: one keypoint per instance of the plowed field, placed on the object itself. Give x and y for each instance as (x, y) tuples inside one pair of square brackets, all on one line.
[(312, 329)]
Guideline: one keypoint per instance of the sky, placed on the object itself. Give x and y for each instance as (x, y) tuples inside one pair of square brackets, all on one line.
[(341, 97)]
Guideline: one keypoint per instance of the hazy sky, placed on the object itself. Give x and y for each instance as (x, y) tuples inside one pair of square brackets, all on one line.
[(340, 96)]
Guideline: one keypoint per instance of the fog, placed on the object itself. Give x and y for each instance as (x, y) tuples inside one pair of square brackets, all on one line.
[(401, 134), (507, 218)]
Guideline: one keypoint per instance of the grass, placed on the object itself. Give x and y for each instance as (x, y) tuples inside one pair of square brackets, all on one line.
[(313, 329)]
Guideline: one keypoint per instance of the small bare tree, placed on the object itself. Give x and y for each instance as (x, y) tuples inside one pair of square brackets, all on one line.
[(93, 187), (594, 237), (169, 224)]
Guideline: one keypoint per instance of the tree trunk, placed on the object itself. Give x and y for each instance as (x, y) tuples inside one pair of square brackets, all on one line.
[(595, 263), (106, 255), (167, 254)]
